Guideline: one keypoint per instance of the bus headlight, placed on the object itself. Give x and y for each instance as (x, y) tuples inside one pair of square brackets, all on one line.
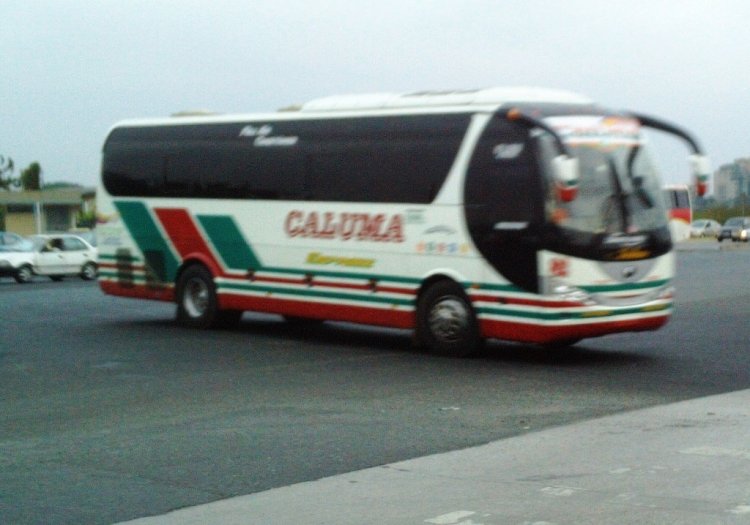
[(566, 292), (573, 294)]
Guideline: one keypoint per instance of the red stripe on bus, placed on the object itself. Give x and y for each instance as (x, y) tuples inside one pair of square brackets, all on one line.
[(138, 291), (680, 213), (524, 302), (314, 281), (534, 333), (507, 330), (332, 312), (186, 237)]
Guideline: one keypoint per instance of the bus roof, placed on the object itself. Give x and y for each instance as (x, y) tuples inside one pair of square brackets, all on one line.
[(490, 97), (458, 101)]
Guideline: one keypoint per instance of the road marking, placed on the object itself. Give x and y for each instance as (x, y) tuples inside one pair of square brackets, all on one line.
[(452, 518), (717, 452), (560, 491)]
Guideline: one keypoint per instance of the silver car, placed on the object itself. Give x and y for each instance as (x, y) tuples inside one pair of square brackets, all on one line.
[(705, 228), (55, 256), (736, 228), (8, 239)]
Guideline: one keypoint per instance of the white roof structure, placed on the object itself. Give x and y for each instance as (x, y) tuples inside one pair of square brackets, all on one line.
[(489, 100), (489, 97)]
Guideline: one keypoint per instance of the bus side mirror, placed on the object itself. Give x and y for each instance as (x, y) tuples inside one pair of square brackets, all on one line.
[(566, 174), (700, 165)]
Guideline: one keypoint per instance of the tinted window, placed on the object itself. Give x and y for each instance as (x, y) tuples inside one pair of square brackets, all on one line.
[(399, 171), (683, 199), (383, 159), (134, 170), (377, 159)]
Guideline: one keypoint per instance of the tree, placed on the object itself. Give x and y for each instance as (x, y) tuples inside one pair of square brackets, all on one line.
[(6, 170), (31, 177)]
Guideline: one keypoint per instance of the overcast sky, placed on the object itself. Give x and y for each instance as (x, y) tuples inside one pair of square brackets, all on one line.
[(69, 69)]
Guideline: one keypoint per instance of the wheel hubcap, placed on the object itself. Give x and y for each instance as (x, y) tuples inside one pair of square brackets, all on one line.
[(449, 319), (196, 297)]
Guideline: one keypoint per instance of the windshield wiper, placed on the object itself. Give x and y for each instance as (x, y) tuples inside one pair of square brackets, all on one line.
[(619, 196), (637, 182)]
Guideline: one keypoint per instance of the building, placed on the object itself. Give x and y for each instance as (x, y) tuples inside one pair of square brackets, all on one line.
[(47, 210), (732, 181)]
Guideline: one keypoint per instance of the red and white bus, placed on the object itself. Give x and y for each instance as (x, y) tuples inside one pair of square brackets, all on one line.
[(529, 215), (680, 211)]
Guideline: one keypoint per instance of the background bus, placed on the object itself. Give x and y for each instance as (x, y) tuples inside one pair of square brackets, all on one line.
[(680, 210)]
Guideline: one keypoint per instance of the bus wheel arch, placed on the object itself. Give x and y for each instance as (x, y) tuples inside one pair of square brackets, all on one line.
[(446, 322), (197, 299)]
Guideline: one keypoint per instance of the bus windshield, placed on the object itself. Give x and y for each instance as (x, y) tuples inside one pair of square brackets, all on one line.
[(619, 189)]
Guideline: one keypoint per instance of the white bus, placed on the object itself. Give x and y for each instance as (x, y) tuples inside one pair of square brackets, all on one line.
[(529, 215)]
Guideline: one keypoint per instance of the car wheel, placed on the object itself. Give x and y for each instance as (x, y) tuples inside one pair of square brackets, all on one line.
[(23, 274), (88, 272), (446, 323), (197, 303)]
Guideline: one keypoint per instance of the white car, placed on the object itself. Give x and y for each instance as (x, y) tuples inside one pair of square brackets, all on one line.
[(8, 239), (55, 256), (704, 228)]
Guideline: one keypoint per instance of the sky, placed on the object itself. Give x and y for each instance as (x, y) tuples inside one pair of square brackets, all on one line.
[(70, 69)]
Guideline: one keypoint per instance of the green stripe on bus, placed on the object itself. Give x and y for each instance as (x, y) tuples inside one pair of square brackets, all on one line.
[(118, 276), (593, 288), (315, 293), (159, 257), (580, 316), (226, 237), (344, 275), (624, 287), (119, 257)]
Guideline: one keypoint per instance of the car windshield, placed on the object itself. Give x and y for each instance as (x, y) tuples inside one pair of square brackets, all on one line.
[(735, 221), (24, 245), (700, 224)]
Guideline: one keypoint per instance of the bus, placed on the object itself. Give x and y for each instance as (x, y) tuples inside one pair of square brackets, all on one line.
[(680, 211), (521, 214)]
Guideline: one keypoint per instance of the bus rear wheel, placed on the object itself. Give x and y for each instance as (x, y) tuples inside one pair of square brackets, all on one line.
[(197, 302), (446, 323)]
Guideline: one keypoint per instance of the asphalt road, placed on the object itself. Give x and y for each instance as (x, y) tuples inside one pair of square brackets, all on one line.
[(108, 411)]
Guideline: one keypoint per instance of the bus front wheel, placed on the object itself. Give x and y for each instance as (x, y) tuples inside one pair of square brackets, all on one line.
[(197, 302), (446, 323)]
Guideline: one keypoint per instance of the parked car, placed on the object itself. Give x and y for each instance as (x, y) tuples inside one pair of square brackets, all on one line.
[(55, 256), (705, 228), (8, 239), (736, 228)]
